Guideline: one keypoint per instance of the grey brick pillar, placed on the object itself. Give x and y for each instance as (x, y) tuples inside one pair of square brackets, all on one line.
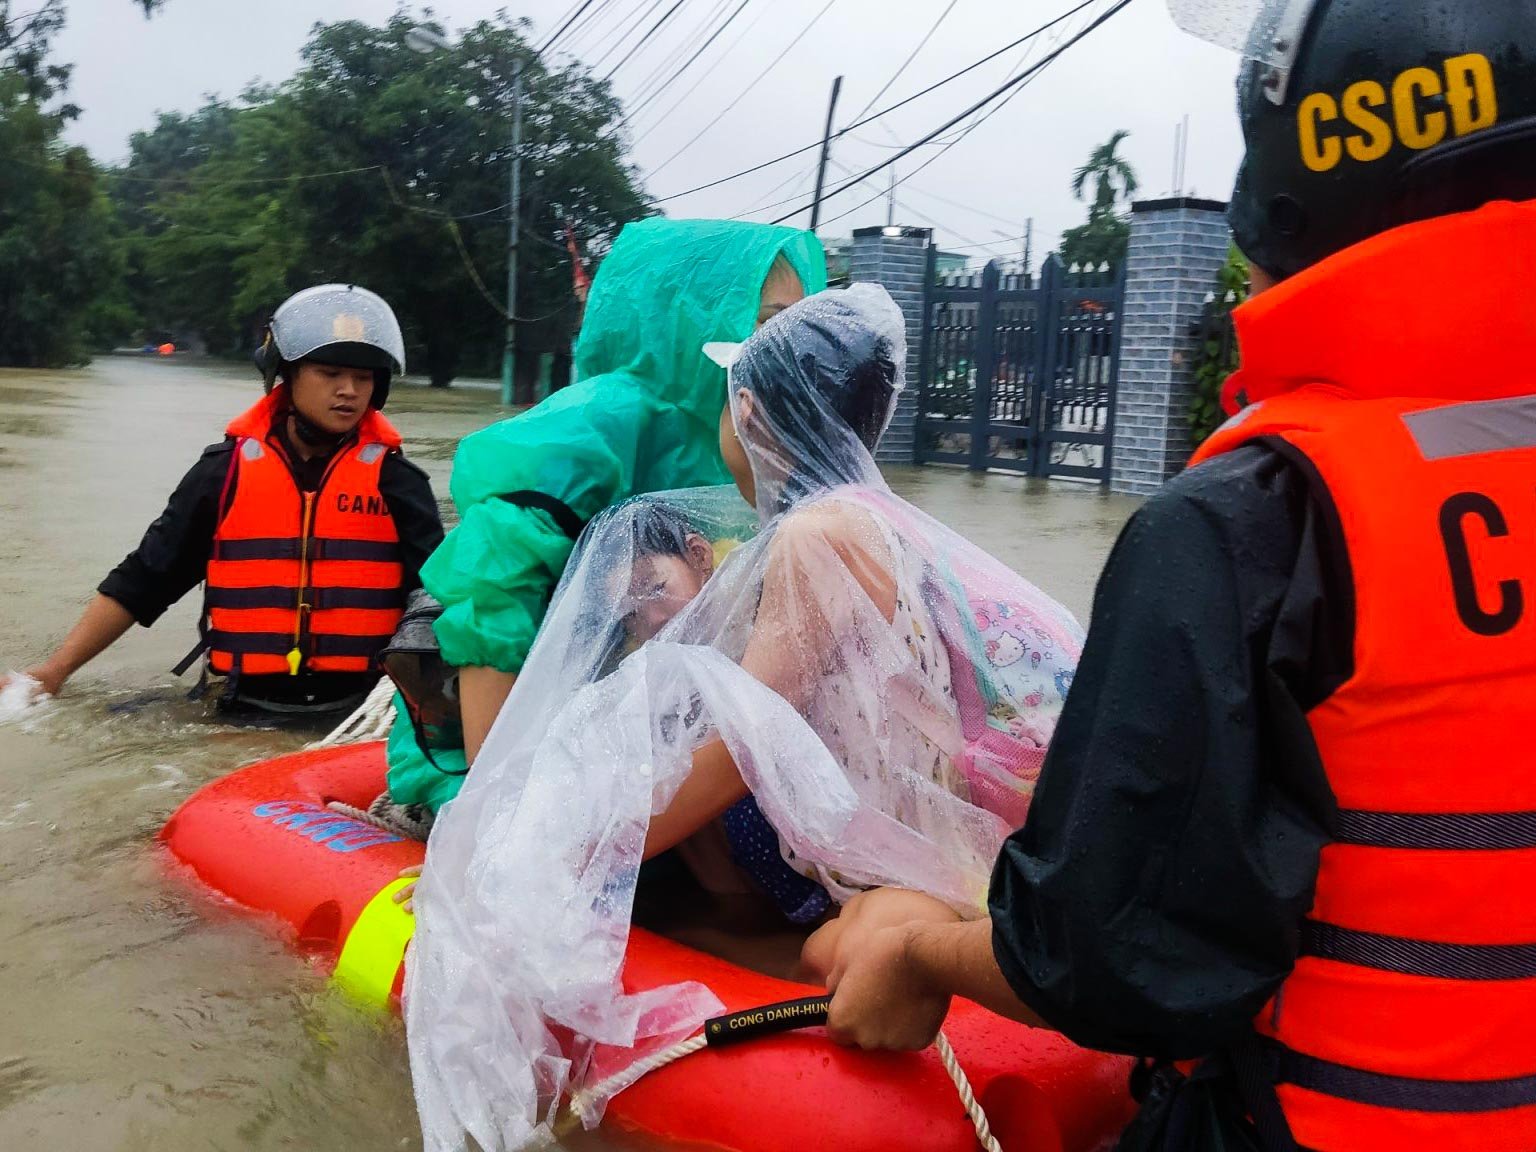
[(898, 258), (1177, 248)]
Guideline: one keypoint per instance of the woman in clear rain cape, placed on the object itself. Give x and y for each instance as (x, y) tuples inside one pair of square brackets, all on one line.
[(856, 697)]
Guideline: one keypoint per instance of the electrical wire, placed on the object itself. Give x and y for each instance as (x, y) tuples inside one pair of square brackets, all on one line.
[(1085, 4), (907, 208), (559, 32), (628, 30), (188, 181), (751, 87), (677, 75), (990, 244), (965, 207), (762, 205), (583, 26), (679, 49), (996, 94), (921, 44), (705, 75), (645, 39)]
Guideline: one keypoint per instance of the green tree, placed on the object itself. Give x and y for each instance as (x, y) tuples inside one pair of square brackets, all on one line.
[(381, 166), (60, 261), (1105, 235), (1218, 355)]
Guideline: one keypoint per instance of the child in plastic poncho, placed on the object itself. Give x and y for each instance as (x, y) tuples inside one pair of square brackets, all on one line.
[(803, 703), (842, 630), (640, 418)]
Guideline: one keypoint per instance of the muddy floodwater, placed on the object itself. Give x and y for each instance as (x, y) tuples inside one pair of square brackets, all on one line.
[(138, 1013)]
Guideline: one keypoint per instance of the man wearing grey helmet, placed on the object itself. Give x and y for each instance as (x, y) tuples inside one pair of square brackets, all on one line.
[(306, 523)]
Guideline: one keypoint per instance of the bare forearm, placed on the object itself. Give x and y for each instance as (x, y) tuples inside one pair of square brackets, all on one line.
[(957, 959), (482, 692), (713, 785), (101, 624)]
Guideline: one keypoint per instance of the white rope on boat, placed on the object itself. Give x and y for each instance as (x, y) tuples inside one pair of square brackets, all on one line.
[(582, 1103), (386, 817), (372, 720), (968, 1100)]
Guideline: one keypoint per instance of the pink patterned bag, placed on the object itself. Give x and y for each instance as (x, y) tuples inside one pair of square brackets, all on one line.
[(1012, 653)]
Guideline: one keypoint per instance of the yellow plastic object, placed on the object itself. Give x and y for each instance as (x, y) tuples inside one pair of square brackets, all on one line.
[(375, 947)]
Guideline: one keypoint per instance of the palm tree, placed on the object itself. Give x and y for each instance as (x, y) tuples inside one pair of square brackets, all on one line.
[(1111, 174)]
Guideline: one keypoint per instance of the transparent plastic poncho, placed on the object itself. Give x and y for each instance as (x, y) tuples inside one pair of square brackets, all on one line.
[(832, 653)]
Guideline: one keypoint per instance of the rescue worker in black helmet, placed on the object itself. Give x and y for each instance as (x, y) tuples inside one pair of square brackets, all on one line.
[(1284, 843), (306, 523)]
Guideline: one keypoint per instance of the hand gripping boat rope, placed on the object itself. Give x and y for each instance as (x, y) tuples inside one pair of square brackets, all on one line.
[(723, 1031)]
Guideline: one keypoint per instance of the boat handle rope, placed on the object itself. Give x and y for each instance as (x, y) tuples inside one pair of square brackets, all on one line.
[(768, 1020), (372, 721)]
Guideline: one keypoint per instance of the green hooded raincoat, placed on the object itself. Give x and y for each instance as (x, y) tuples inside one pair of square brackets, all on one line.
[(643, 416)]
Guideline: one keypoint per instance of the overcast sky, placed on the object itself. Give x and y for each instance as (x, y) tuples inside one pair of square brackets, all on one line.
[(1138, 72)]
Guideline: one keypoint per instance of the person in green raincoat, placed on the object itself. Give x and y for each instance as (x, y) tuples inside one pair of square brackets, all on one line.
[(643, 416)]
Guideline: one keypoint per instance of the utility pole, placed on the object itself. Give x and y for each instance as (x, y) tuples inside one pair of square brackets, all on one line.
[(1029, 243), (890, 201), (509, 352), (826, 150)]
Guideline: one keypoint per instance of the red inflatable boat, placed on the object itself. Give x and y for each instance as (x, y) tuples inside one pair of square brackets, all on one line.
[(264, 838)]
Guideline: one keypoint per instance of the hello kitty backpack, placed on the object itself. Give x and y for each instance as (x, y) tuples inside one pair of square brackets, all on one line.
[(1012, 652)]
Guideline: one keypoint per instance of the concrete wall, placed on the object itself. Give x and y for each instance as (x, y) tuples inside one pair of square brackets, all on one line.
[(898, 259), (1177, 248)]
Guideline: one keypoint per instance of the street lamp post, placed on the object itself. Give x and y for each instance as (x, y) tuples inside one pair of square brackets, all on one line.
[(427, 40), (509, 350)]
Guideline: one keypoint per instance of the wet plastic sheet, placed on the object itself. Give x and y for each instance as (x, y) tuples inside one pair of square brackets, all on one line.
[(824, 653)]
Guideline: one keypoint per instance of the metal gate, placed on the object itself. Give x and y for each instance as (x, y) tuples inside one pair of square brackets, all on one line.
[(1019, 373)]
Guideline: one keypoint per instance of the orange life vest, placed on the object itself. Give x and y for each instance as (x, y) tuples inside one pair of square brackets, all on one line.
[(1390, 376), (303, 581)]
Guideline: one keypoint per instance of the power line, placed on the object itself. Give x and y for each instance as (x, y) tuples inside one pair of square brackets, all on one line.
[(1084, 4), (583, 25), (921, 44), (796, 178), (189, 181), (965, 207), (559, 32), (990, 244), (645, 39), (994, 95), (972, 127), (715, 35), (680, 49), (1025, 81), (474, 276), (705, 75), (868, 143), (923, 216), (961, 133), (628, 28), (899, 144), (748, 89)]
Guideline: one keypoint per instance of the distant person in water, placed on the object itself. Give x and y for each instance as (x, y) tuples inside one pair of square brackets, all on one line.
[(306, 523)]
